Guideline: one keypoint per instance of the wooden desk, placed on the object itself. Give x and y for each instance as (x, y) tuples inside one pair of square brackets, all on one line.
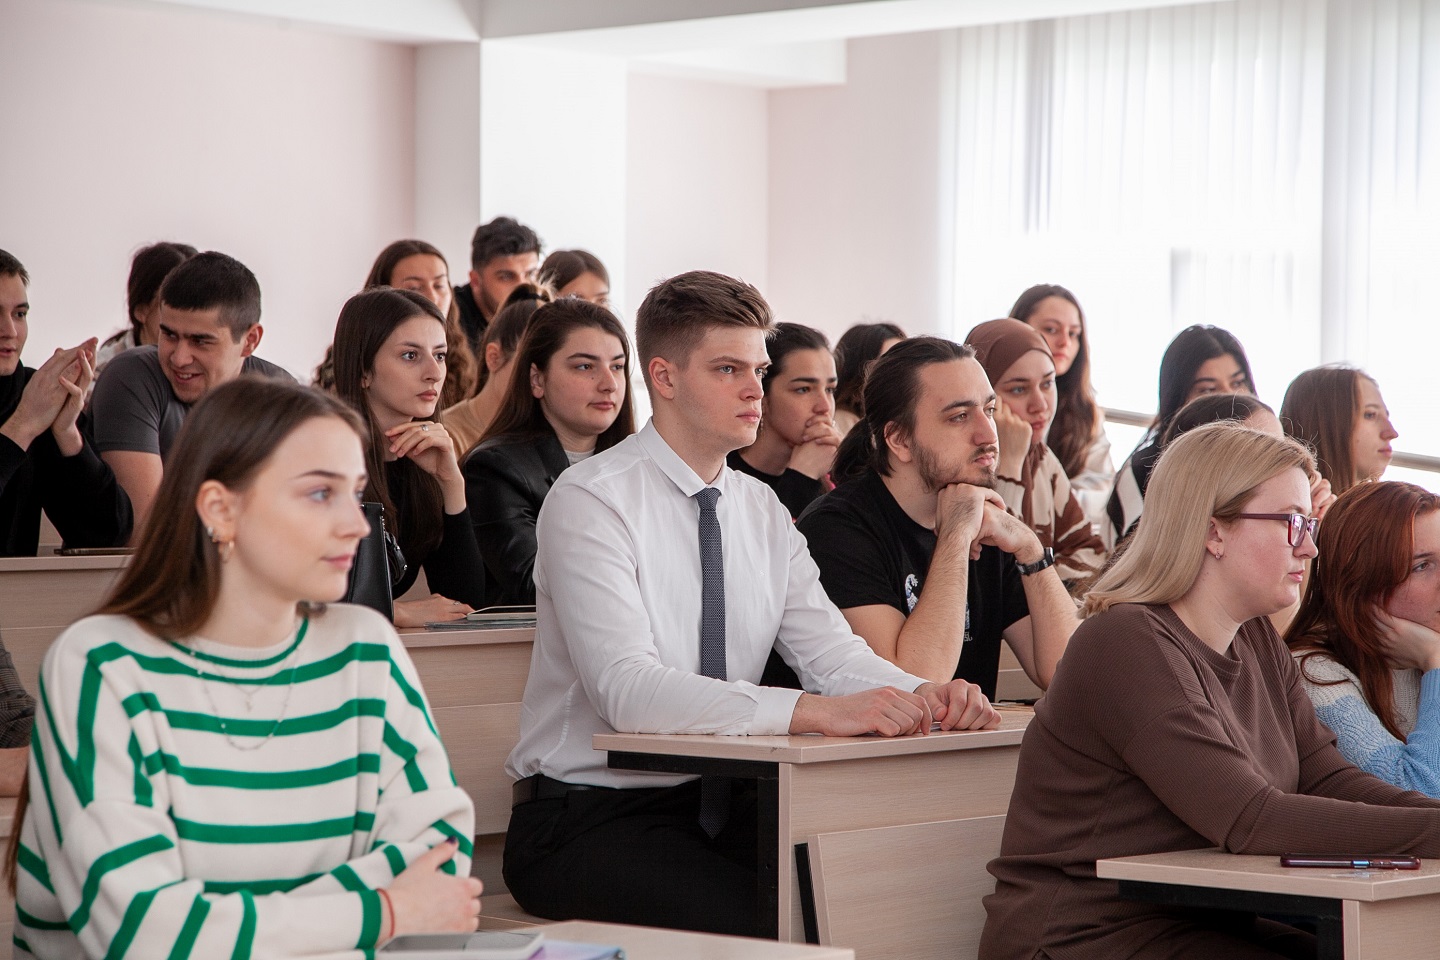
[(41, 596), (648, 943), (810, 785), (1359, 913), (474, 680)]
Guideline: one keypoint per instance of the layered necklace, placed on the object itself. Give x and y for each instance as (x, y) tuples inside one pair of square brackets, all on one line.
[(249, 692)]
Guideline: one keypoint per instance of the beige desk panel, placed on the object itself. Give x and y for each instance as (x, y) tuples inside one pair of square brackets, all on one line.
[(645, 943)]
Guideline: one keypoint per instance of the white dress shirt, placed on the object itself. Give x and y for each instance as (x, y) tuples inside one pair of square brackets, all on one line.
[(617, 597)]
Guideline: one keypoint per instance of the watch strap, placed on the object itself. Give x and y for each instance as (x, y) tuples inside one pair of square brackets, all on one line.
[(1047, 559)]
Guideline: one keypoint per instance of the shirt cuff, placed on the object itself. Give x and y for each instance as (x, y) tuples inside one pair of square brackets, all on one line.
[(774, 709)]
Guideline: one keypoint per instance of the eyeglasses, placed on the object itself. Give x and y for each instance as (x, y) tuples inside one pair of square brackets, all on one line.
[(1299, 524)]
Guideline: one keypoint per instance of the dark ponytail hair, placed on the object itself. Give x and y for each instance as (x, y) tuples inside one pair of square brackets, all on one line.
[(1211, 408), (148, 269), (856, 349), (509, 323), (892, 388)]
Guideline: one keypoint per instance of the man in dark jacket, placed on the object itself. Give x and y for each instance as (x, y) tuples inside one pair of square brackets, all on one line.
[(45, 461), (504, 253)]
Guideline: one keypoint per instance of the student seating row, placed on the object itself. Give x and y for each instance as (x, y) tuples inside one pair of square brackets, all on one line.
[(475, 680)]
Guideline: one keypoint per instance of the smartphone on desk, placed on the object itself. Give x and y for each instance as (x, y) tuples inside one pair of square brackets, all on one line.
[(484, 945), (1350, 863)]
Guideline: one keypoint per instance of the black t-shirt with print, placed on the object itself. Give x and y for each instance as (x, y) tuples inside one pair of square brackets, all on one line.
[(870, 552)]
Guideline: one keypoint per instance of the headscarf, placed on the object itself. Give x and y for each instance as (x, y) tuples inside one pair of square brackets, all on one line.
[(999, 343)]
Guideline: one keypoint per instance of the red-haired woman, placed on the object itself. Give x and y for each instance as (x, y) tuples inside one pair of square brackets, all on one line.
[(1366, 634)]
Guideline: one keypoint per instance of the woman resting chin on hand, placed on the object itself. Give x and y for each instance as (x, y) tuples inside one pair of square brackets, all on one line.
[(1366, 632)]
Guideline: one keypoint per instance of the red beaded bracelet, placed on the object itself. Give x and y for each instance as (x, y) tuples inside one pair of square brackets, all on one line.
[(389, 910)]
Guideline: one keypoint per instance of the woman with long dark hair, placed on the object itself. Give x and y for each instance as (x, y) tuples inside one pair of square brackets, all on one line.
[(1200, 360), (1076, 434), (1366, 633), (390, 364), (224, 765), (421, 267), (1339, 412), (569, 399), (856, 349)]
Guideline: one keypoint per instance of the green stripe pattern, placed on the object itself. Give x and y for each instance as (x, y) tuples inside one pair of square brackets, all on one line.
[(150, 825)]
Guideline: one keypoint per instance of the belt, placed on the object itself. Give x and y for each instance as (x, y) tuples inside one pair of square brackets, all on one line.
[(541, 787)]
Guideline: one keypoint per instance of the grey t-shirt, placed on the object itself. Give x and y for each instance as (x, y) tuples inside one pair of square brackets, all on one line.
[(133, 407)]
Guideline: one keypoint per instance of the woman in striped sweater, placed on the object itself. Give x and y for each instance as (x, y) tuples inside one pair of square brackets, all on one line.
[(221, 766)]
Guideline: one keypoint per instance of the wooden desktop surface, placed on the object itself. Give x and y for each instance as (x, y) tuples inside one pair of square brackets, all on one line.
[(809, 748), (1215, 868), (647, 943)]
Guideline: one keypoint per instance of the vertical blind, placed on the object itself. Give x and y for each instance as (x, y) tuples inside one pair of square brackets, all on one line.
[(1268, 166)]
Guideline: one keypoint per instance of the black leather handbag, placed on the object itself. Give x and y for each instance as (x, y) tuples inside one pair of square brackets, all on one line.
[(379, 565)]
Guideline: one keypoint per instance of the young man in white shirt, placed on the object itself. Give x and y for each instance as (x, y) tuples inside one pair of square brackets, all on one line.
[(630, 583)]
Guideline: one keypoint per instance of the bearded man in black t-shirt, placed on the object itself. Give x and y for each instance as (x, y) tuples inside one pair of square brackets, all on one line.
[(914, 546)]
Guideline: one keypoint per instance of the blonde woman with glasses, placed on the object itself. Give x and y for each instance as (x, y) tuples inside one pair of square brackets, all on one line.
[(1177, 720)]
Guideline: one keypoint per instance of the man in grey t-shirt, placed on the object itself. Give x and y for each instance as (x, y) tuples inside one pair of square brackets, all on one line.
[(209, 328)]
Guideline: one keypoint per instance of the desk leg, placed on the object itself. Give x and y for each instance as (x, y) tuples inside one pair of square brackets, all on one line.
[(768, 834), (1401, 929)]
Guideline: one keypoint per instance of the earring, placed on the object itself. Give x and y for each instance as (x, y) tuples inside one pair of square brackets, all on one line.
[(223, 547), (1217, 553)]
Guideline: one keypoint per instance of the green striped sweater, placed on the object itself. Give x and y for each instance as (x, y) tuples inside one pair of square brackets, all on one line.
[(150, 834)]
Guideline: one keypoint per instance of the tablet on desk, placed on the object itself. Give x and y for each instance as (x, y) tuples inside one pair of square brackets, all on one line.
[(490, 618), (502, 614), (485, 945)]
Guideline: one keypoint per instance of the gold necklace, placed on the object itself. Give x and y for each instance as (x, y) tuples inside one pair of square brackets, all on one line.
[(205, 679)]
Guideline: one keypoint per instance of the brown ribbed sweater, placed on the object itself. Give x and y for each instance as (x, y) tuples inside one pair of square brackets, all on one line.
[(1149, 741)]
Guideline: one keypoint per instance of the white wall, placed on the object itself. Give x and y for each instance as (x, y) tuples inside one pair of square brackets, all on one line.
[(858, 215), (552, 147), (696, 183), (289, 149)]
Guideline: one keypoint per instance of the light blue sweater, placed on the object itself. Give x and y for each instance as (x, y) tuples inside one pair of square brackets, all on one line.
[(1412, 763)]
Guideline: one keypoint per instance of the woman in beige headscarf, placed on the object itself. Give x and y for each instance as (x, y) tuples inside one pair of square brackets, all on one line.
[(1030, 477)]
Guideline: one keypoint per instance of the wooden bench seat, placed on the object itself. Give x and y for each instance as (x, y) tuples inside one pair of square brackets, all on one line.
[(905, 893)]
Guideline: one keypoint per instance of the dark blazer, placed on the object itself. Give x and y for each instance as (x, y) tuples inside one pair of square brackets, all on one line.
[(506, 480)]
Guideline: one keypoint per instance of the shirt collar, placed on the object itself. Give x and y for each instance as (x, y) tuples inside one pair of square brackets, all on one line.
[(686, 480)]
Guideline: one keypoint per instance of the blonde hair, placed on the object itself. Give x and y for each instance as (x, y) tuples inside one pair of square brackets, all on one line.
[(1212, 471)]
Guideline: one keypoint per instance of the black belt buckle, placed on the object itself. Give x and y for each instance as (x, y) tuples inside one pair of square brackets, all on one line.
[(540, 787)]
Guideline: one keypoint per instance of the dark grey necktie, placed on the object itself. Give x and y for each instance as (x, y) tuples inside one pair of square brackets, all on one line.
[(714, 791)]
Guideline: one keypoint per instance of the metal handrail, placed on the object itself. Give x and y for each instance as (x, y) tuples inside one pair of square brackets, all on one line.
[(1410, 461)]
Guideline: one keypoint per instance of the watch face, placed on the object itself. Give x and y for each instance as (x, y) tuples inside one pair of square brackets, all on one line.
[(1047, 558)]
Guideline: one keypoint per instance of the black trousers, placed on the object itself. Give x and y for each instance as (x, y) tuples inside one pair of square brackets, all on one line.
[(636, 856)]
